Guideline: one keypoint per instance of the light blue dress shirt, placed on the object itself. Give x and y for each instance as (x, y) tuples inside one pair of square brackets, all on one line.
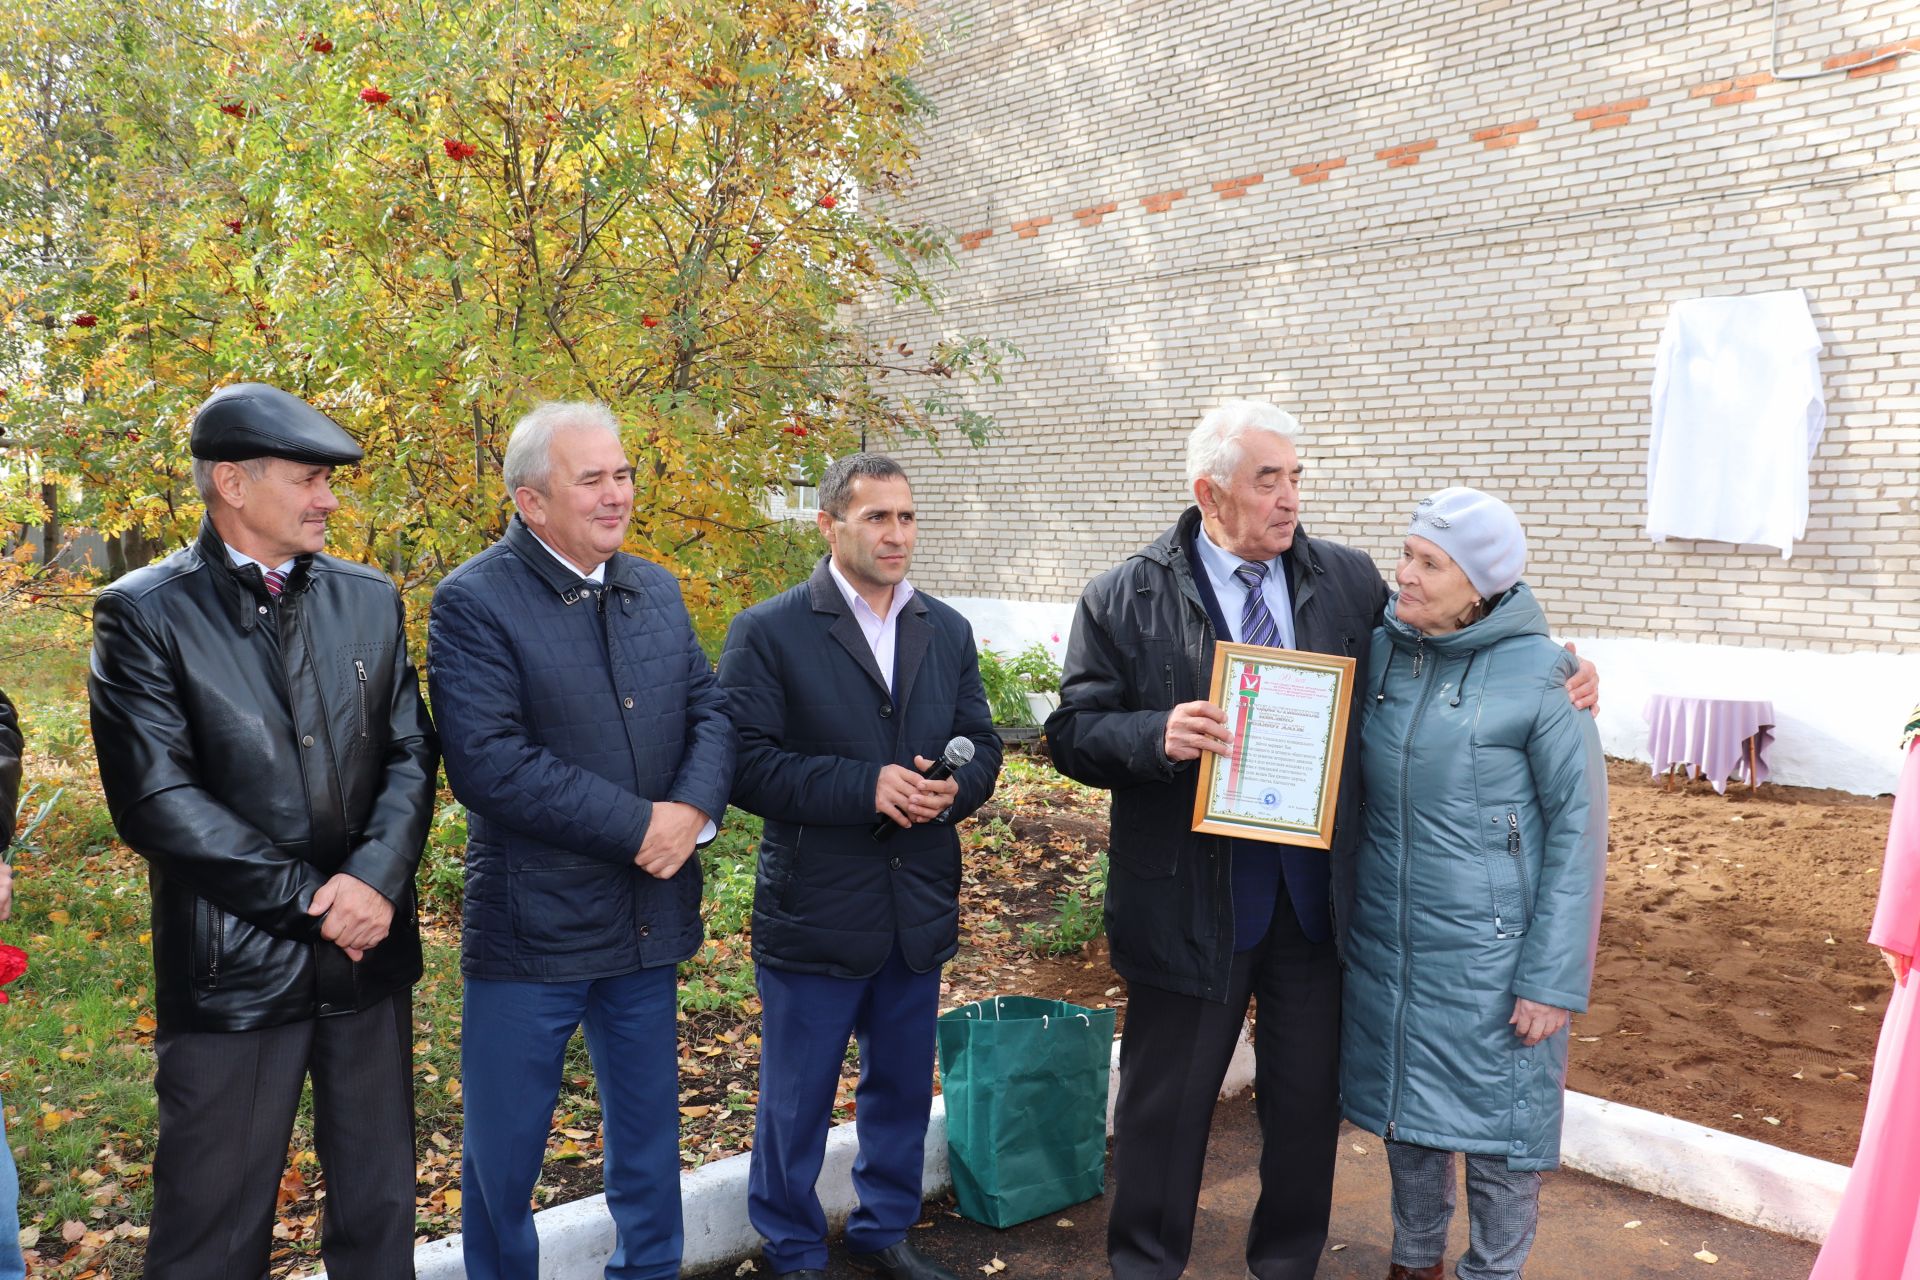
[(1232, 593)]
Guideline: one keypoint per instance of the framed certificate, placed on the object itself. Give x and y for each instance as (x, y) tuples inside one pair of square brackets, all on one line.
[(1287, 711)]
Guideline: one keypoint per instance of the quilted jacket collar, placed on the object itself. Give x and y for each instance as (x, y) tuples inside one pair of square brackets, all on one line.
[(521, 541)]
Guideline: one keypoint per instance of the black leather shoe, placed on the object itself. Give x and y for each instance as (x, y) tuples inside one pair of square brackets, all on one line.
[(900, 1262)]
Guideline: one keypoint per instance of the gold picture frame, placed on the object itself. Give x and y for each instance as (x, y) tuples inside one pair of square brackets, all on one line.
[(1287, 710)]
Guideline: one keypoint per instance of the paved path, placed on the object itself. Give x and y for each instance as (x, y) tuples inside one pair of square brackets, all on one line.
[(1583, 1235)]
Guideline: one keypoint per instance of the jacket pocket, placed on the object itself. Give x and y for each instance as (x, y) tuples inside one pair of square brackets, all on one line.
[(364, 670), (1152, 672), (1149, 834), (568, 910), (1506, 862), (209, 944)]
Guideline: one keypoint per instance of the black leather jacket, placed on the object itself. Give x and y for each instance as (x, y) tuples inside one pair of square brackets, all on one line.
[(251, 749)]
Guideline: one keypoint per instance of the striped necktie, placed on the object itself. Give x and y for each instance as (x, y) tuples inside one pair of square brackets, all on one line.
[(275, 581), (1256, 620)]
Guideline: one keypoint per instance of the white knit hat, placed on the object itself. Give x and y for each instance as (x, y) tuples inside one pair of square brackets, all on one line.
[(1479, 531)]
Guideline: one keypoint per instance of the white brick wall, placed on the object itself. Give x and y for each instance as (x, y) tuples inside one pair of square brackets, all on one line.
[(1479, 307)]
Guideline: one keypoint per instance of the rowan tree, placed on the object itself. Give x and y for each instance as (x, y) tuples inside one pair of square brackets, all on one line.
[(426, 217)]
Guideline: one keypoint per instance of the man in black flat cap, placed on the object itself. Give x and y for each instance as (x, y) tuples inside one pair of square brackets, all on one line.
[(264, 747)]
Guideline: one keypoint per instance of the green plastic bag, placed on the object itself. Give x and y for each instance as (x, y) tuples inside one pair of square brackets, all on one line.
[(1025, 1083)]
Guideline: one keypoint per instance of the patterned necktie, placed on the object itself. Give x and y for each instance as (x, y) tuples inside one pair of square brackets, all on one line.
[(275, 580), (1256, 620)]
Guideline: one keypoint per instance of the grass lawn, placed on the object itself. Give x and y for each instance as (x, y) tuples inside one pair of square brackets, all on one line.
[(76, 1067)]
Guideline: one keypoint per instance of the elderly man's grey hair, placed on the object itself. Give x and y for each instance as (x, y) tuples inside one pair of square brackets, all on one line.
[(203, 475), (530, 444), (1213, 447)]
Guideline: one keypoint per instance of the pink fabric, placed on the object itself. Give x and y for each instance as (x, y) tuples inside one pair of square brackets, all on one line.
[(1708, 735), (1874, 1235)]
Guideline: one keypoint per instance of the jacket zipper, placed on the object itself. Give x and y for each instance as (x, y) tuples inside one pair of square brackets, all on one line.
[(216, 943), (1168, 672), (1406, 959), (360, 672), (1519, 863)]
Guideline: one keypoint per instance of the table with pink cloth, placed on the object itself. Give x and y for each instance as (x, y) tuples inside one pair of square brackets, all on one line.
[(1710, 736)]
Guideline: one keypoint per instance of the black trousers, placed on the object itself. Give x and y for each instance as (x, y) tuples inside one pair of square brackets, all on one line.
[(227, 1103), (1174, 1052)]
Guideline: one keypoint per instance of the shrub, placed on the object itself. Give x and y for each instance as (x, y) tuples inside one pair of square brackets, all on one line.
[(1008, 681)]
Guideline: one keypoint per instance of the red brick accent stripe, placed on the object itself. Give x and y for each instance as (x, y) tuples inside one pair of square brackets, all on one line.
[(1717, 88), (1503, 135), (1318, 171), (1406, 153), (1234, 188), (1727, 92), (1887, 64), (1610, 109)]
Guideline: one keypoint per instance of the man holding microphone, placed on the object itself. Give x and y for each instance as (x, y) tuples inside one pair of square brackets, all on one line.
[(842, 689)]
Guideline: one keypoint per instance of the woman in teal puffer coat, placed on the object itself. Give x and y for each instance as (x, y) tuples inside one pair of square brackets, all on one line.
[(1480, 867)]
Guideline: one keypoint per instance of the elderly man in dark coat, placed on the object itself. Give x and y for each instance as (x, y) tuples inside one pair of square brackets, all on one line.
[(590, 744), (264, 747), (845, 688)]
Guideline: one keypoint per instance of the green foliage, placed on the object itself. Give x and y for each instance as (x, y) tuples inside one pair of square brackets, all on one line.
[(1078, 919), (720, 975), (1008, 681), (77, 1075), (442, 881), (426, 217)]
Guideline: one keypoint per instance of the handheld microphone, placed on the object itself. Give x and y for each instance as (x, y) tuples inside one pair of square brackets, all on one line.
[(959, 752)]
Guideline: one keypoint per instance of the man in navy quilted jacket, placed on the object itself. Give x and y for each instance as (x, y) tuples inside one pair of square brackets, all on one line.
[(844, 690), (590, 744)]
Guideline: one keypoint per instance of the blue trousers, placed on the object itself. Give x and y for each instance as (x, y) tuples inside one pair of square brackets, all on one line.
[(513, 1047), (12, 1265), (805, 1022)]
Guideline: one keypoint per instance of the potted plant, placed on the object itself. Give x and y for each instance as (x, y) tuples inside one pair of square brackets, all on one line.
[(1022, 690)]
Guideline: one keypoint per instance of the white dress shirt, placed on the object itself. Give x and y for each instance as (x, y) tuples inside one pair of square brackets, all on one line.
[(880, 632), (1232, 593), (240, 558), (599, 573)]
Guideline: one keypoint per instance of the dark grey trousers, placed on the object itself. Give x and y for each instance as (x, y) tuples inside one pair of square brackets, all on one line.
[(1503, 1210), (227, 1104), (1174, 1051)]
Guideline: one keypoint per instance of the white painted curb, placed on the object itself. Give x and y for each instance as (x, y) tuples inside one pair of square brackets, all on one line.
[(1735, 1177), (1722, 1173), (576, 1238)]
